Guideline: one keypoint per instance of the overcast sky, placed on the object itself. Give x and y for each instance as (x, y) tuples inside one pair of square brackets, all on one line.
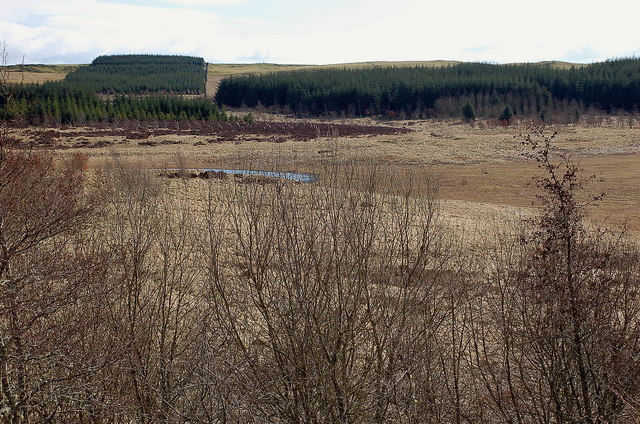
[(321, 31)]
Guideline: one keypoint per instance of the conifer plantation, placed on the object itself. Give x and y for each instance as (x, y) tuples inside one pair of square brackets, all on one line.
[(534, 90), (142, 87), (140, 74), (58, 103)]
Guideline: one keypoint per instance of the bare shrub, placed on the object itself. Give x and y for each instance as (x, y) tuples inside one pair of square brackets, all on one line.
[(156, 310), (330, 294), (50, 270), (557, 328)]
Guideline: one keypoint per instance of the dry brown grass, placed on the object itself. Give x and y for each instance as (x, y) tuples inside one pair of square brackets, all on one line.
[(35, 77), (264, 68), (38, 73), (479, 167), (218, 69)]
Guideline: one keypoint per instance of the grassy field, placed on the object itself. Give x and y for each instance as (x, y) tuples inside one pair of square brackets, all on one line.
[(264, 68), (408, 283), (39, 73), (478, 167), (222, 69)]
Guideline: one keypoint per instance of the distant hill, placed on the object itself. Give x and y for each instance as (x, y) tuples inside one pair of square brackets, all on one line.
[(228, 69), (218, 71), (44, 69), (39, 73)]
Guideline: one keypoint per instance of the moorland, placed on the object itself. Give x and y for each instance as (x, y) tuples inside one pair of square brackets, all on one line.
[(478, 161), (467, 253)]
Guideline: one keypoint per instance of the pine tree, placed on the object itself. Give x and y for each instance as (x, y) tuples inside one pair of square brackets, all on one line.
[(468, 113), (506, 115)]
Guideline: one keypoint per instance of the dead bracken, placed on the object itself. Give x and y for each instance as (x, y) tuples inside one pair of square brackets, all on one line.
[(222, 132)]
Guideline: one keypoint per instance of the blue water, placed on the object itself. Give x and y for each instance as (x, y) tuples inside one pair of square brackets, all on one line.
[(293, 176)]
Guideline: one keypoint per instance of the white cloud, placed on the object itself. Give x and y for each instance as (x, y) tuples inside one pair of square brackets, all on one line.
[(332, 32), (202, 2), (95, 27)]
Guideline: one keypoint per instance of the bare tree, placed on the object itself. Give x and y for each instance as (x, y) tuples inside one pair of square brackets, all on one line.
[(48, 270), (558, 329), (154, 236), (330, 289)]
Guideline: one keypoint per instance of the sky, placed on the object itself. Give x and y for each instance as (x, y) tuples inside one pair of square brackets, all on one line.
[(321, 31)]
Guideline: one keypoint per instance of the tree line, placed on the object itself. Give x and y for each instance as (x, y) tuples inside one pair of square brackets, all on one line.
[(527, 89), (54, 103), (129, 298), (141, 74)]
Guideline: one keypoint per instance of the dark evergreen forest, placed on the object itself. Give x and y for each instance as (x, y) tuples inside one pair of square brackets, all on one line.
[(58, 103), (525, 89), (139, 88), (141, 74)]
